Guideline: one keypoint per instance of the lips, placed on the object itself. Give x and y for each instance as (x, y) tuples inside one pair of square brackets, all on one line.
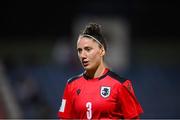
[(85, 63)]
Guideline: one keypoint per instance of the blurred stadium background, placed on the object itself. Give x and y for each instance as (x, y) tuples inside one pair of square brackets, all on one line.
[(38, 54)]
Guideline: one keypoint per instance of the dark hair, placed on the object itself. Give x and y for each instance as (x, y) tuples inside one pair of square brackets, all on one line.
[(95, 31)]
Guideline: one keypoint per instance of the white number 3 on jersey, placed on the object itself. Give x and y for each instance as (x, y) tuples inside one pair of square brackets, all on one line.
[(89, 110)]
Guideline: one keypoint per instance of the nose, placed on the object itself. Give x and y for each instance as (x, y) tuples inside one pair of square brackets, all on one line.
[(83, 54)]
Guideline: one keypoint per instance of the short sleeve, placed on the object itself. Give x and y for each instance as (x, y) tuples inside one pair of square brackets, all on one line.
[(129, 87), (65, 110), (130, 106)]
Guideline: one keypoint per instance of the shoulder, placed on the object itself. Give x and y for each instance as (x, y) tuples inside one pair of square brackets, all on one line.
[(117, 77), (73, 78)]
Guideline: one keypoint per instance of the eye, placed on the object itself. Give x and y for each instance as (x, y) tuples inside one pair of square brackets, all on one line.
[(88, 49), (79, 50)]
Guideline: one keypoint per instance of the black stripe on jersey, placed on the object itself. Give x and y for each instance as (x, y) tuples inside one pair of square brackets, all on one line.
[(74, 78), (101, 77), (116, 76)]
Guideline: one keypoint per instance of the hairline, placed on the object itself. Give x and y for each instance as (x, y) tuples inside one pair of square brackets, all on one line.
[(90, 36)]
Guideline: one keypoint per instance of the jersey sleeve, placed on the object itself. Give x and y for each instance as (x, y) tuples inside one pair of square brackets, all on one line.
[(128, 102), (65, 111), (129, 87)]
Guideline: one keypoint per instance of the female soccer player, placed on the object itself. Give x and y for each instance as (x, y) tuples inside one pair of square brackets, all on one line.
[(98, 93)]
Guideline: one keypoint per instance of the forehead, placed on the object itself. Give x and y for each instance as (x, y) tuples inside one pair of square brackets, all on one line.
[(85, 41)]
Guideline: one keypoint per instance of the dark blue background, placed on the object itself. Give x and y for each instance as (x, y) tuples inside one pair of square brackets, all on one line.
[(30, 29)]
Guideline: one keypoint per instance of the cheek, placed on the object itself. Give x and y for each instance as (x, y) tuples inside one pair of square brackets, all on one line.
[(79, 57), (95, 55)]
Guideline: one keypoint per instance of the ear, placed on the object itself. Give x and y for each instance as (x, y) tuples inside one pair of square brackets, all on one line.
[(102, 51)]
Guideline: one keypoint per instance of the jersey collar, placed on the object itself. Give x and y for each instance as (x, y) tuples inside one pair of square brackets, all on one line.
[(105, 73)]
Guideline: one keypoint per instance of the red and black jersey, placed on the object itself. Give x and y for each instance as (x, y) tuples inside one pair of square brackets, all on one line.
[(108, 96)]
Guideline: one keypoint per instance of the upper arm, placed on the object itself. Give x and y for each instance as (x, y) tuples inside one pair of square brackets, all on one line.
[(65, 110), (129, 104)]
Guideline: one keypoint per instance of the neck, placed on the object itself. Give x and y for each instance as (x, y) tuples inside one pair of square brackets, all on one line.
[(97, 72)]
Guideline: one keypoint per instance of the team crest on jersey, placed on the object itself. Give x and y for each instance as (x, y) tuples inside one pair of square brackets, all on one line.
[(105, 91)]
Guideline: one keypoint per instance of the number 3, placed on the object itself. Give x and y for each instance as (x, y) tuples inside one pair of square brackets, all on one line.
[(89, 110)]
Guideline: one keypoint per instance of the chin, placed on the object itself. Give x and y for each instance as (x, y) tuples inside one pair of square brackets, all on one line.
[(87, 67)]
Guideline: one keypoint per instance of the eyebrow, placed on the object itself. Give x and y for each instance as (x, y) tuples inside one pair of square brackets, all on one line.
[(84, 48), (79, 48)]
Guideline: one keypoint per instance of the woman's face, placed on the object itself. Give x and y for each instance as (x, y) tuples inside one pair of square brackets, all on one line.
[(89, 53)]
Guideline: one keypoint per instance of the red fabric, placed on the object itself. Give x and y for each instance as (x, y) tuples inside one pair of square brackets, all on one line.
[(84, 99)]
